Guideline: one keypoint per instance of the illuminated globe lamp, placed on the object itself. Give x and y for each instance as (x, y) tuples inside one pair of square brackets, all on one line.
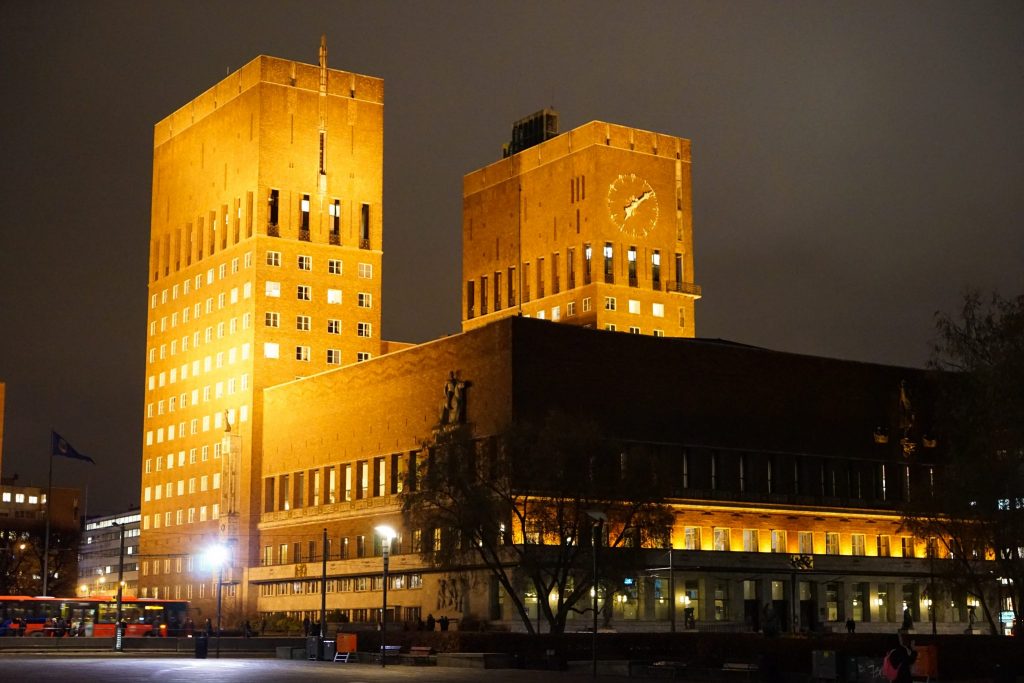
[(387, 535), (216, 556)]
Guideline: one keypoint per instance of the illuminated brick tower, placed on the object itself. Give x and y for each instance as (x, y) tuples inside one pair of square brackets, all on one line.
[(265, 266), (591, 227)]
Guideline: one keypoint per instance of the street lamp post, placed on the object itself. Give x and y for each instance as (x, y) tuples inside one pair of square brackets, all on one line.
[(671, 588), (387, 534), (599, 518), (216, 556), (118, 626), (220, 596), (323, 599)]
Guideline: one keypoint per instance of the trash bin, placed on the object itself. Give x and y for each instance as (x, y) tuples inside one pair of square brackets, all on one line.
[(330, 647), (311, 643), (202, 645)]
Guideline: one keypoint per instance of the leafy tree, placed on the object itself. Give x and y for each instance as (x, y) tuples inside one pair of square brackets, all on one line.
[(521, 504), (19, 571), (979, 512), (21, 562)]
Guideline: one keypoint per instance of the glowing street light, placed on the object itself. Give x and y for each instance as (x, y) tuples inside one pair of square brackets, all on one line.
[(217, 556), (387, 535)]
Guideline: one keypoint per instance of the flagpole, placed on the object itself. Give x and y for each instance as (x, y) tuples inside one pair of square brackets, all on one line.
[(49, 504)]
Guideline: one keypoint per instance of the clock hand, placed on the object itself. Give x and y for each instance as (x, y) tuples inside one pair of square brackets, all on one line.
[(634, 204)]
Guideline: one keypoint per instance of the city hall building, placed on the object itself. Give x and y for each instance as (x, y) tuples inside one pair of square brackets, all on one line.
[(276, 416)]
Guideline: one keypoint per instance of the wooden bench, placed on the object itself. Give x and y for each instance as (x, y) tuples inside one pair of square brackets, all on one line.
[(420, 654)]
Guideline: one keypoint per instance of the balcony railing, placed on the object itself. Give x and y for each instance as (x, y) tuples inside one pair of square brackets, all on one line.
[(609, 278), (335, 239), (303, 235), (364, 244), (682, 287), (273, 230)]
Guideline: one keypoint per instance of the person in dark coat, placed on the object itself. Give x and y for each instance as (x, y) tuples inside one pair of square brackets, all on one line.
[(903, 658), (430, 622)]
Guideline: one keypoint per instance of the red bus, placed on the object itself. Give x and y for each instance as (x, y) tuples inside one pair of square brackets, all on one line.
[(92, 617)]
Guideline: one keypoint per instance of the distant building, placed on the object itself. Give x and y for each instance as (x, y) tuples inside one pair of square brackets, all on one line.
[(99, 554), (23, 512)]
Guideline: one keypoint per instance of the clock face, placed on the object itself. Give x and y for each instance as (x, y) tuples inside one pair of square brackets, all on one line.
[(633, 205)]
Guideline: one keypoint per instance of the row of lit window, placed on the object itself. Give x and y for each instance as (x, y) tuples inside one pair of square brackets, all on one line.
[(31, 499), (187, 285), (195, 311), (334, 266), (356, 584), (333, 210), (491, 291), (195, 455), (179, 431), (657, 310), (304, 354), (778, 542), (181, 516), (633, 329), (191, 486), (208, 364), (361, 479), (155, 592), (209, 392)]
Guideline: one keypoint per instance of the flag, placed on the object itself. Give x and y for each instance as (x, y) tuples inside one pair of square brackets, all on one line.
[(62, 447)]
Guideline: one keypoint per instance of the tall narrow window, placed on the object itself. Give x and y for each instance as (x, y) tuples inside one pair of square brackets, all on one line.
[(274, 202), (483, 295), (526, 282), (335, 211), (631, 256), (656, 269), (364, 227), (497, 291), (609, 265), (304, 213), (570, 269), (512, 287), (540, 277), (470, 300), (588, 257), (555, 282), (679, 273)]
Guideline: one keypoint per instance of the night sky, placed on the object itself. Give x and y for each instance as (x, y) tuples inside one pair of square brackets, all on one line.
[(856, 167)]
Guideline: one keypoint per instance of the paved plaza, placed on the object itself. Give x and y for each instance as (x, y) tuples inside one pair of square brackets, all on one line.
[(175, 670)]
